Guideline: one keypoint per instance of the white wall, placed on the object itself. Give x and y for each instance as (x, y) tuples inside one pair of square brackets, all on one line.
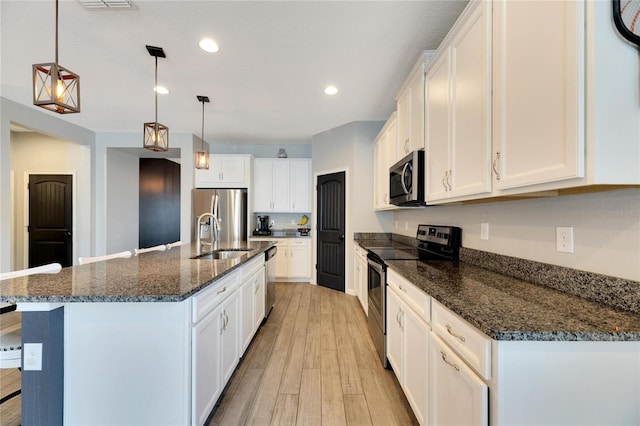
[(350, 147), (123, 177), (42, 122), (260, 150), (33, 153), (606, 228)]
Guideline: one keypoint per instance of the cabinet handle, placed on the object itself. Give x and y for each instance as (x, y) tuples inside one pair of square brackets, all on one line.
[(495, 165), (294, 205), (449, 179), (444, 178), (222, 319), (221, 291), (444, 358), (257, 287), (401, 320), (398, 317), (457, 336)]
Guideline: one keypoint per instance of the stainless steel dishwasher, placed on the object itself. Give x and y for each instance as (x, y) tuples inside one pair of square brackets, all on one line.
[(270, 262)]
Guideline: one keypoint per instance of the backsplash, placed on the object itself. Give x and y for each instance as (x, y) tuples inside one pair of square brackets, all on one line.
[(616, 292)]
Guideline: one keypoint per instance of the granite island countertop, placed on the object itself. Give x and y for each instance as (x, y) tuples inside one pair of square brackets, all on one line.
[(507, 308), (159, 276)]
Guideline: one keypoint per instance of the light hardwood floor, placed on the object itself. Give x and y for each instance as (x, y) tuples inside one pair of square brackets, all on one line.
[(311, 363), (9, 378)]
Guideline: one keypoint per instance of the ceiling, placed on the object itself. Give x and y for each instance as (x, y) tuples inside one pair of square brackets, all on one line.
[(265, 84)]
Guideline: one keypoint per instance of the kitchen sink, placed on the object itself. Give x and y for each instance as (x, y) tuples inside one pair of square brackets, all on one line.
[(223, 254)]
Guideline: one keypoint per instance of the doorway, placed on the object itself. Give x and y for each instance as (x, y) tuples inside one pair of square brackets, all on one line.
[(330, 231), (50, 219)]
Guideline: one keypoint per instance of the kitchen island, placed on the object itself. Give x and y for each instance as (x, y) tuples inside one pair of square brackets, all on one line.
[(147, 340)]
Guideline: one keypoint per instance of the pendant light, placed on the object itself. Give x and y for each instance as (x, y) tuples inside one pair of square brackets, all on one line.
[(156, 135), (55, 87), (202, 156)]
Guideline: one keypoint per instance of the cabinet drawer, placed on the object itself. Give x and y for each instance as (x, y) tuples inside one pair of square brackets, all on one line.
[(473, 346), (298, 242), (417, 299), (210, 297)]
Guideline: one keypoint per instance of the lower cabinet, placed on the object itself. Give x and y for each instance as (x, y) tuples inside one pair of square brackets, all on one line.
[(408, 345), (458, 395), (225, 317), (360, 277), (293, 259)]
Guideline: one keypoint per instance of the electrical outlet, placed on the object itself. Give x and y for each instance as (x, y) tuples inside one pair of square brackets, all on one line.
[(484, 231), (564, 239), (32, 356)]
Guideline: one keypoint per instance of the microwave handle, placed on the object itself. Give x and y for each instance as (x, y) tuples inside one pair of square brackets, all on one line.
[(404, 170)]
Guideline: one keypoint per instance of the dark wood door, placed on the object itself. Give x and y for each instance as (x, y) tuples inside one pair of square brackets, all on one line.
[(50, 220), (159, 209), (331, 229)]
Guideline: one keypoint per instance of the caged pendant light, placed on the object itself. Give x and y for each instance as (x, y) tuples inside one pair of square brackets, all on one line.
[(156, 135), (202, 156), (55, 87)]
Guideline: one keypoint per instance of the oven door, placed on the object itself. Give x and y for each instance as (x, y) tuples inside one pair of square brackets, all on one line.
[(377, 279)]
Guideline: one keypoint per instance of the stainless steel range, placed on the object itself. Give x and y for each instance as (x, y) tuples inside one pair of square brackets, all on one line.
[(434, 243)]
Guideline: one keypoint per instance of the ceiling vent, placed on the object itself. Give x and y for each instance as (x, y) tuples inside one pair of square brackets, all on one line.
[(107, 4)]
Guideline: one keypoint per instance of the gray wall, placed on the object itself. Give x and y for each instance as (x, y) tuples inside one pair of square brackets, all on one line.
[(122, 200), (261, 150)]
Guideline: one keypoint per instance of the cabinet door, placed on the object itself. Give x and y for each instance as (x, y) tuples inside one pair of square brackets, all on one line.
[(299, 258), (538, 91), (280, 189), (437, 128), (300, 187), (209, 178), (416, 114), (364, 289), (259, 298), (415, 348), (233, 170), (470, 149), (230, 337), (247, 304), (205, 374), (457, 396), (394, 331), (401, 141), (262, 184), (282, 259)]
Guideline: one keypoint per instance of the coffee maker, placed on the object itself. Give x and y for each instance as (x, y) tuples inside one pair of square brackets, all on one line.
[(263, 226)]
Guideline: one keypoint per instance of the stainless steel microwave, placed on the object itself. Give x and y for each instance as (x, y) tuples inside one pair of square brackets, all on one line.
[(406, 180)]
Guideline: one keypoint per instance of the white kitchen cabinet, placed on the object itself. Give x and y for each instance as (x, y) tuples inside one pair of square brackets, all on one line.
[(360, 277), (251, 298), (384, 157), (458, 110), (300, 186), (206, 381), (282, 185), (408, 341), (410, 107), (230, 336), (299, 262), (293, 258), (225, 171), (457, 395), (260, 295)]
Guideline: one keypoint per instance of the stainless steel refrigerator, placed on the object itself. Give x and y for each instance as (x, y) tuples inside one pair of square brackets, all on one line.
[(229, 206)]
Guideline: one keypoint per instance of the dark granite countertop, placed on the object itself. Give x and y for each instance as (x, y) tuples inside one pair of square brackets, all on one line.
[(167, 276), (507, 308)]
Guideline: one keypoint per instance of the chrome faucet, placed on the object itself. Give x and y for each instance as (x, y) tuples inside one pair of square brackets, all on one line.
[(215, 229)]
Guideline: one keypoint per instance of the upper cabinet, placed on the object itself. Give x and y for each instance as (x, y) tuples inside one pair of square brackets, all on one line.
[(225, 171), (384, 149), (510, 109), (458, 109), (282, 185), (410, 110), (538, 93)]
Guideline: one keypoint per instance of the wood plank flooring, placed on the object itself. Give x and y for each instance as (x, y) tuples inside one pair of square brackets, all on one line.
[(313, 363), (9, 377)]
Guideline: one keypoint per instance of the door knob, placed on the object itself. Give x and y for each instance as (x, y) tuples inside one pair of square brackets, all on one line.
[(341, 237)]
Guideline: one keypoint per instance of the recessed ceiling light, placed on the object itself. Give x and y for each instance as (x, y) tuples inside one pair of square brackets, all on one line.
[(331, 90), (208, 45), (161, 90)]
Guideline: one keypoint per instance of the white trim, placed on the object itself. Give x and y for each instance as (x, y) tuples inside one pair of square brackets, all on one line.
[(38, 306), (347, 225), (74, 212)]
